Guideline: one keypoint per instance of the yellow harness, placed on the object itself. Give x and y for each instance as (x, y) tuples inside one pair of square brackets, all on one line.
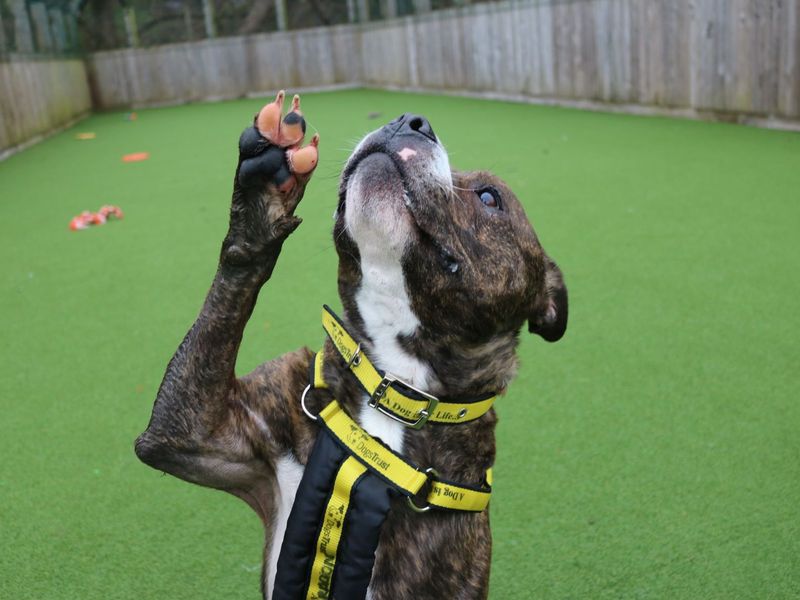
[(350, 478), (387, 395)]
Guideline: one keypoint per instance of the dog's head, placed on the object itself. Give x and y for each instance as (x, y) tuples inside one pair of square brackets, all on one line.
[(445, 255)]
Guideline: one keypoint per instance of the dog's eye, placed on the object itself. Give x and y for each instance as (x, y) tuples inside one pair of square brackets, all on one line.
[(489, 197)]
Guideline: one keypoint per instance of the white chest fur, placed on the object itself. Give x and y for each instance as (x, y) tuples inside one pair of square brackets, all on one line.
[(386, 311), (288, 473)]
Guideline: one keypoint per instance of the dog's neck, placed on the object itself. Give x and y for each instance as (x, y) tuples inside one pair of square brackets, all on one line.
[(438, 364), (378, 313), (463, 370), (382, 309)]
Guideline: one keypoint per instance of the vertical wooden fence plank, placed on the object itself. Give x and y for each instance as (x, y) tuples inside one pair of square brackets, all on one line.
[(788, 101)]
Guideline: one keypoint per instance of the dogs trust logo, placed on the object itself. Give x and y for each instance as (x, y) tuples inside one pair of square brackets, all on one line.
[(354, 436), (334, 518), (360, 441)]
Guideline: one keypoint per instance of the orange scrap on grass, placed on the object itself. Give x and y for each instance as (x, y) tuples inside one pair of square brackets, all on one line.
[(136, 157), (87, 218), (110, 211)]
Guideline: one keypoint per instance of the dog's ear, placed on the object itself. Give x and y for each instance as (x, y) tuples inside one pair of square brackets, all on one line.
[(549, 316)]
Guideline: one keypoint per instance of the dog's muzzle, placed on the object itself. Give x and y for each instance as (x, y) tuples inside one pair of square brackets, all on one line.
[(407, 137)]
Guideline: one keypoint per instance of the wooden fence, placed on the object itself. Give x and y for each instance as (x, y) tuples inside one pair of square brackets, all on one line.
[(736, 56), (226, 67), (727, 57), (39, 96)]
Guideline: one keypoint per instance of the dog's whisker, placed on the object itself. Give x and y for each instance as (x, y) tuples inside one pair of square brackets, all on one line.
[(324, 250), (310, 124), (346, 228), (329, 176)]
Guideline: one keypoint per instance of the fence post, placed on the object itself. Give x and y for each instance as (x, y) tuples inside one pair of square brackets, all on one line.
[(351, 11), (363, 10), (2, 35), (131, 29), (71, 31), (44, 41), (208, 15), (389, 9), (280, 15), (23, 37), (57, 29), (187, 20), (422, 6)]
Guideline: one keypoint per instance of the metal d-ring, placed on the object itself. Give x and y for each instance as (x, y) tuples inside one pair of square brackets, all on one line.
[(415, 508), (355, 360), (421, 509), (303, 404)]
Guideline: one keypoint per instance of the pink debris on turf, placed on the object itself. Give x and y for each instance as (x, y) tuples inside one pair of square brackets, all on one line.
[(88, 218), (82, 221), (136, 157), (109, 210)]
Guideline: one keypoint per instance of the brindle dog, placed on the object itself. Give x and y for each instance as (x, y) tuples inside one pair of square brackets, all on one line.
[(438, 271)]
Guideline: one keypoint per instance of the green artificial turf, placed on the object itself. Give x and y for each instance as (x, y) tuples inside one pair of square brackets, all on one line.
[(652, 453)]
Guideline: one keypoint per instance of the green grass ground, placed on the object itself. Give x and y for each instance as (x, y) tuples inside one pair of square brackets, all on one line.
[(653, 453)]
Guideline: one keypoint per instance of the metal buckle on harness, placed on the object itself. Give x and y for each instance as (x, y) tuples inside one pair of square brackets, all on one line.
[(380, 392)]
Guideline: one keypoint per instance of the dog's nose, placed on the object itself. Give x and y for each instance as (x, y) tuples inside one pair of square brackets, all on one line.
[(410, 124)]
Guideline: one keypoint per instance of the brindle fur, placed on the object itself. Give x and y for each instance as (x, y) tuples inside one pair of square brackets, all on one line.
[(210, 428)]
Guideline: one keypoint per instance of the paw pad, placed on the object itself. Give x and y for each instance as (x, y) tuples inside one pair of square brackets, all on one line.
[(304, 160)]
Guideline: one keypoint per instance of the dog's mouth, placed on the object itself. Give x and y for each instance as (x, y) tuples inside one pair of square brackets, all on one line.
[(413, 149), (383, 163), (384, 183)]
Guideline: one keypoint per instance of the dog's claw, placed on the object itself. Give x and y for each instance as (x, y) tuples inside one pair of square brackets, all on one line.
[(268, 119)]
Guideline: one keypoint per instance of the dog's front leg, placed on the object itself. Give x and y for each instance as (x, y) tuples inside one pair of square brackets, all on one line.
[(206, 426)]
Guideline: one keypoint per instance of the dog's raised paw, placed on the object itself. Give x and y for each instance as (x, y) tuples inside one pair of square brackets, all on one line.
[(270, 151)]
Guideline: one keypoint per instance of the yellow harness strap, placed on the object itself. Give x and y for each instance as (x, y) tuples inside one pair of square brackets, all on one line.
[(331, 531), (401, 474), (383, 387), (381, 459), (445, 494)]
